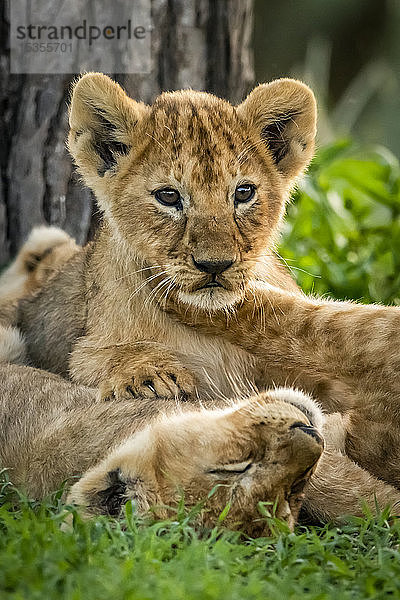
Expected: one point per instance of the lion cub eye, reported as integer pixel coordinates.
(169, 197)
(244, 193)
(231, 468)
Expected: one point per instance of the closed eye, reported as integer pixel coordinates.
(231, 468)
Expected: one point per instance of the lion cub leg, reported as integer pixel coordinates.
(373, 437)
(341, 487)
(137, 370)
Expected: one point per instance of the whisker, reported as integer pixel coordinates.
(157, 289)
(164, 296)
(144, 283)
(291, 267)
(141, 270)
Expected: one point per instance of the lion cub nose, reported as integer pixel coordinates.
(214, 267)
(309, 430)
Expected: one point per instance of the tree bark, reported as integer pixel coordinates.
(203, 44)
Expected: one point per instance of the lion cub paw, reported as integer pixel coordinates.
(149, 381)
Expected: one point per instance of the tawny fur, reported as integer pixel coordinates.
(130, 314)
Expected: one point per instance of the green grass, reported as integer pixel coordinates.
(107, 559)
(343, 238)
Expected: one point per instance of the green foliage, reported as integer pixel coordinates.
(342, 234)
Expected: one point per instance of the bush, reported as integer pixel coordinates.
(342, 232)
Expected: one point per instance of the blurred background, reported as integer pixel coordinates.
(342, 234)
(348, 51)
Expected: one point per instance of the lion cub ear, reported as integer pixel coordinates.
(102, 122)
(103, 491)
(284, 115)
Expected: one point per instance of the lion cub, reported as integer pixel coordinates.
(337, 487)
(193, 191)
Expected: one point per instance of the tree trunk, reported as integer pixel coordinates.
(203, 44)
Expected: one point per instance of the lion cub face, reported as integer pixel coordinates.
(263, 450)
(193, 187)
